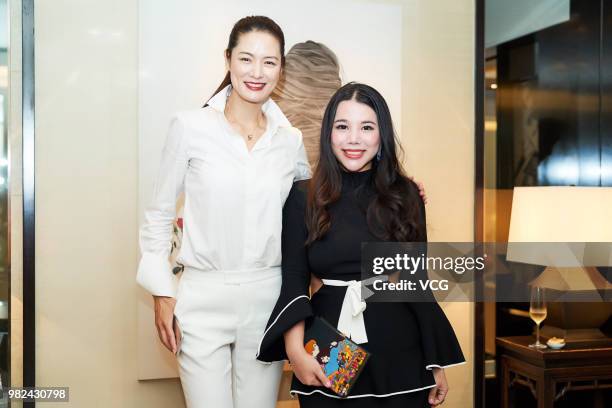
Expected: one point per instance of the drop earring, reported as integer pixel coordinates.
(379, 154)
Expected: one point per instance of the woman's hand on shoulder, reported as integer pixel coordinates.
(421, 189)
(164, 321)
(307, 370)
(438, 394)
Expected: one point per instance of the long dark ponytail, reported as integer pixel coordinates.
(246, 25)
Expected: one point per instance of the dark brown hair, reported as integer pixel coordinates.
(246, 25)
(395, 212)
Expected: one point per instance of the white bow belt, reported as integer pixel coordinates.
(351, 322)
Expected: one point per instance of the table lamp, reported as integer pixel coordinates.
(579, 221)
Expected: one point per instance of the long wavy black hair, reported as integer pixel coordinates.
(395, 212)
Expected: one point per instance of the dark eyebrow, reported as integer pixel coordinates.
(340, 120)
(368, 122)
(251, 55)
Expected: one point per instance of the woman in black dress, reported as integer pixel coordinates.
(358, 193)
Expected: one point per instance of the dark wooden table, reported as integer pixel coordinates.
(550, 374)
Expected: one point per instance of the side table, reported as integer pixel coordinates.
(550, 374)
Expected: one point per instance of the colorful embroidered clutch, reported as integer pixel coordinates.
(342, 360)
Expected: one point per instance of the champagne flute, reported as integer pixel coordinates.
(537, 312)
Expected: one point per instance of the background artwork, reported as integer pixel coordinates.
(312, 75)
(181, 63)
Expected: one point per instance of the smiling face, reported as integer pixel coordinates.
(255, 66)
(355, 136)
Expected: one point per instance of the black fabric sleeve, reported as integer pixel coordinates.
(439, 342)
(293, 304)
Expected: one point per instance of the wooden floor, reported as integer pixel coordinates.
(285, 400)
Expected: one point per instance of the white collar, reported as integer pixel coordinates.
(270, 108)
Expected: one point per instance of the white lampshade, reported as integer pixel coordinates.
(578, 219)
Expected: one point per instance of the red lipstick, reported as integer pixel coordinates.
(255, 86)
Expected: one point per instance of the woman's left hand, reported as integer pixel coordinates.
(437, 394)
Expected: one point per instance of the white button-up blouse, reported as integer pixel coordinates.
(234, 198)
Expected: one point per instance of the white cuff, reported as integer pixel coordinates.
(155, 275)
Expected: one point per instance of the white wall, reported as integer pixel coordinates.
(87, 184)
(86, 204)
(4, 32)
(438, 137)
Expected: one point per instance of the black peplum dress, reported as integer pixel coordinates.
(406, 340)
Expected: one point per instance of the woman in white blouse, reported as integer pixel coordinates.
(235, 161)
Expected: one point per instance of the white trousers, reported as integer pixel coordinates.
(222, 315)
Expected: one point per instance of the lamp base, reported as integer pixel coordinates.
(576, 337)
